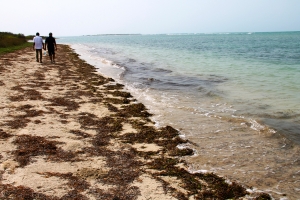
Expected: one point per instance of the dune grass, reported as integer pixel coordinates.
(10, 42)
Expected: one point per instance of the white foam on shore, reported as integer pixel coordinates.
(104, 66)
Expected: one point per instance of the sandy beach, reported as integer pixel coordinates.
(67, 132)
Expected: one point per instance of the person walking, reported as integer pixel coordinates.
(50, 43)
(38, 45)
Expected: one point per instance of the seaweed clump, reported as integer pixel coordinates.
(20, 121)
(4, 135)
(134, 110)
(33, 94)
(17, 122)
(20, 192)
(30, 94)
(80, 133)
(121, 94)
(166, 137)
(145, 135)
(59, 101)
(114, 87)
(216, 187)
(124, 168)
(76, 183)
(263, 196)
(112, 108)
(30, 146)
(119, 193)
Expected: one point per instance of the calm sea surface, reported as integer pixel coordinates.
(236, 95)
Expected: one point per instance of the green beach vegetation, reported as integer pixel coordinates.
(10, 42)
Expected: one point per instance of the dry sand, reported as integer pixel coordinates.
(69, 133)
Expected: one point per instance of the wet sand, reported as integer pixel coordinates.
(249, 153)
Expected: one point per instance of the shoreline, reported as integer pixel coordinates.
(67, 132)
(235, 147)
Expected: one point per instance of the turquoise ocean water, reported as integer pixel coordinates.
(236, 95)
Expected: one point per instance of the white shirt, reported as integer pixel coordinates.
(38, 42)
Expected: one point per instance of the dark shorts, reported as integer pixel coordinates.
(51, 51)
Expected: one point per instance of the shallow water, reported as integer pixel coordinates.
(234, 95)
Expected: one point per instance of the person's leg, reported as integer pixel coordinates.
(37, 55)
(41, 56)
(50, 56)
(54, 57)
(50, 51)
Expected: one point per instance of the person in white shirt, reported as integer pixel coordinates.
(38, 45)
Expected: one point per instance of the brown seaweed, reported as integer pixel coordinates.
(31, 146)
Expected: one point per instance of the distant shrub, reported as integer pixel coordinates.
(9, 39)
(30, 37)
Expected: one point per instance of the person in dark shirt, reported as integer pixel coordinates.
(50, 43)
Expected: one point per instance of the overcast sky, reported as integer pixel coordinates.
(88, 17)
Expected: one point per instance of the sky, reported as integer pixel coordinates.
(91, 17)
